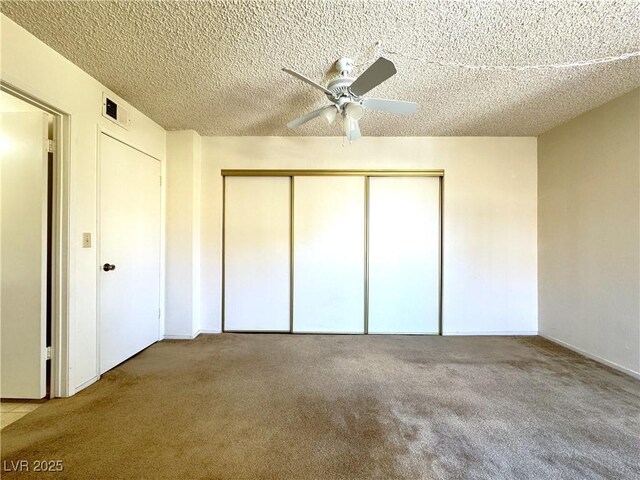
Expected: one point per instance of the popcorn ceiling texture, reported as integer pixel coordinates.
(214, 66)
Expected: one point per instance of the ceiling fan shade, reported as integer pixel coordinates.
(379, 71)
(329, 114)
(354, 110)
(390, 106)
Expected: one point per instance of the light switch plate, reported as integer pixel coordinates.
(86, 240)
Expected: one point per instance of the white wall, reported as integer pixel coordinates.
(9, 103)
(490, 216)
(33, 67)
(182, 318)
(589, 233)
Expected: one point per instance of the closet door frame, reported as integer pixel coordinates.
(360, 173)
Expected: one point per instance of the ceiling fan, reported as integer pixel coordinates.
(346, 94)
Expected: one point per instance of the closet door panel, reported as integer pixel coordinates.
(257, 254)
(328, 233)
(404, 249)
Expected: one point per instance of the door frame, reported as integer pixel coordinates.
(161, 234)
(359, 173)
(59, 384)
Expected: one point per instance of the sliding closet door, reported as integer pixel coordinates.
(404, 246)
(257, 254)
(328, 293)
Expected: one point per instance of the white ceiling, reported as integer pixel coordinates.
(215, 66)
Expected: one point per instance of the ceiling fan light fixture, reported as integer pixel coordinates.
(329, 114)
(354, 111)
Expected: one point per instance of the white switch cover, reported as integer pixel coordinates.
(86, 240)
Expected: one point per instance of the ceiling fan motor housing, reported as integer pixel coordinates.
(340, 88)
(344, 66)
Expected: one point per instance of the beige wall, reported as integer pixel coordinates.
(33, 67)
(183, 183)
(588, 233)
(490, 253)
(9, 103)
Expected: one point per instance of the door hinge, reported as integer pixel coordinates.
(48, 353)
(51, 146)
(160, 180)
(159, 312)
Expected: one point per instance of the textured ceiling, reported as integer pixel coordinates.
(215, 66)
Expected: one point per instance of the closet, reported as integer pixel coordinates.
(332, 252)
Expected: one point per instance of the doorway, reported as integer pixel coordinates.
(27, 249)
(40, 336)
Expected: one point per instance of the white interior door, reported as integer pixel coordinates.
(404, 254)
(23, 208)
(129, 240)
(257, 254)
(328, 293)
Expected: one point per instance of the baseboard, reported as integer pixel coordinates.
(499, 333)
(189, 337)
(86, 384)
(598, 359)
(179, 337)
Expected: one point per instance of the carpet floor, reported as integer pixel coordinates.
(274, 406)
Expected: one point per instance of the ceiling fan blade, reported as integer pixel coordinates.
(354, 133)
(390, 106)
(299, 76)
(378, 72)
(309, 116)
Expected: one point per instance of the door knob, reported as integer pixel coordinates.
(106, 267)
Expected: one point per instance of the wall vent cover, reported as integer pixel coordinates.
(114, 112)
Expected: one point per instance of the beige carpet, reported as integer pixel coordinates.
(352, 407)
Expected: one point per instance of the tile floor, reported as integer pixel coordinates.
(10, 411)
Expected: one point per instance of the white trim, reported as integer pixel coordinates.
(309, 332)
(498, 333)
(87, 383)
(596, 358)
(179, 337)
(421, 334)
(191, 337)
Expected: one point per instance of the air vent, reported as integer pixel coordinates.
(114, 112)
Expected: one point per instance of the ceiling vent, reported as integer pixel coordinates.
(114, 112)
